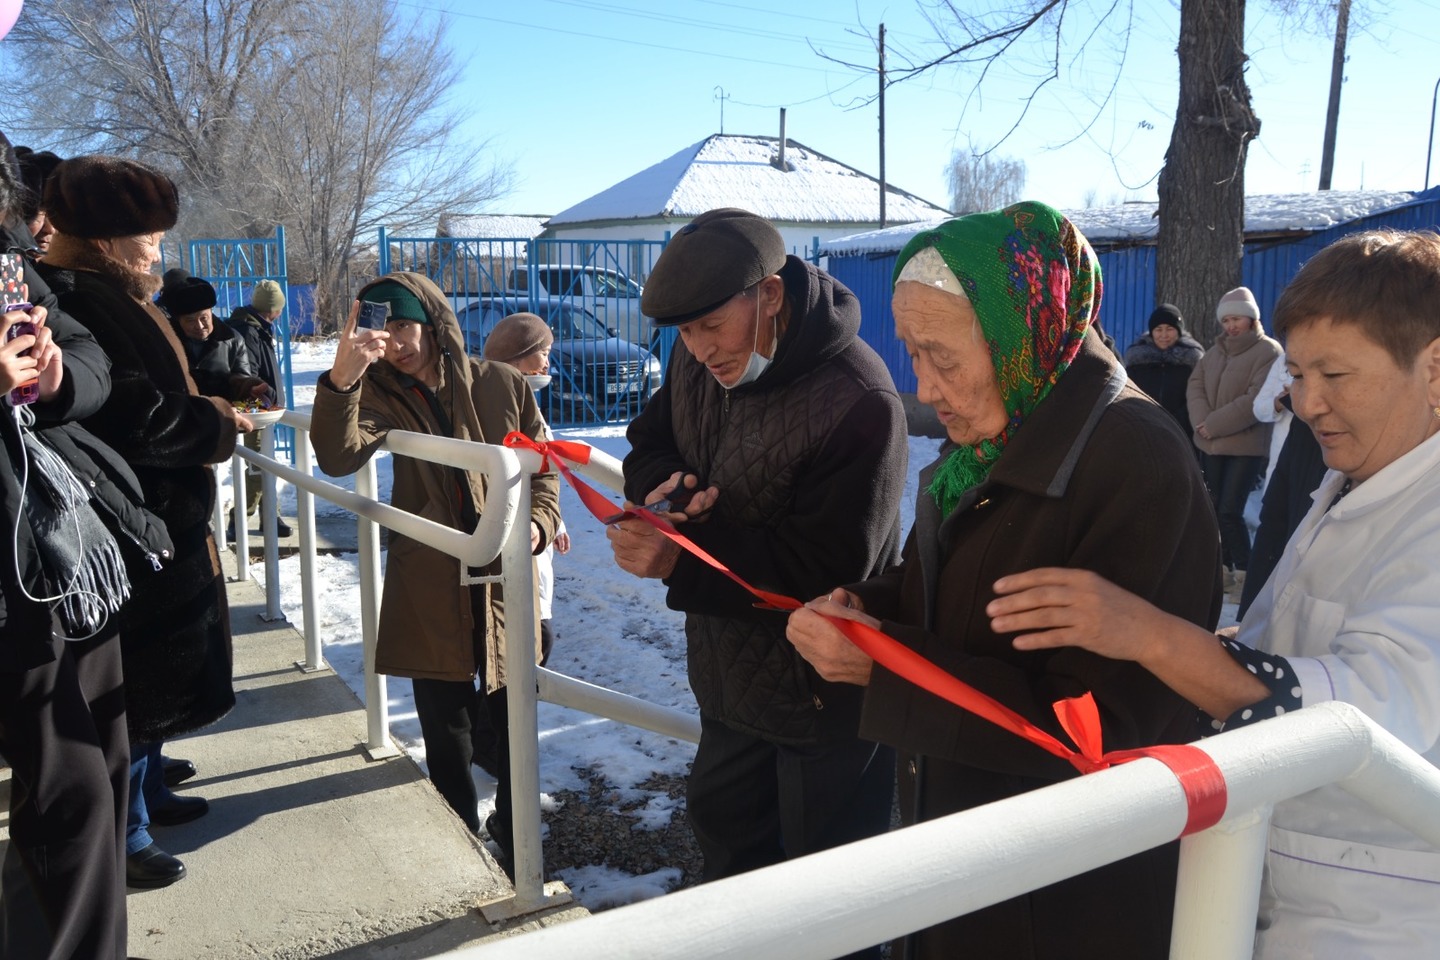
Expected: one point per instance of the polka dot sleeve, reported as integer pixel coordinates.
(1276, 674)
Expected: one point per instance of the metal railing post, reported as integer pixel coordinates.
(377, 708)
(305, 520)
(1217, 889)
(237, 510)
(268, 524)
(518, 580)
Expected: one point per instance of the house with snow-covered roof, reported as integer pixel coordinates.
(807, 195)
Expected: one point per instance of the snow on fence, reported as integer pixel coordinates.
(838, 901)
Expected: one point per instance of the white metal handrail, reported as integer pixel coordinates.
(507, 475)
(838, 901)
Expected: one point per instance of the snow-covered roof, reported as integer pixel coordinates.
(509, 226)
(1266, 213)
(728, 170)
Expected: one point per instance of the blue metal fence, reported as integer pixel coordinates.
(1129, 276)
(233, 267)
(607, 359)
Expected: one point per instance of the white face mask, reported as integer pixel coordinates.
(758, 363)
(537, 381)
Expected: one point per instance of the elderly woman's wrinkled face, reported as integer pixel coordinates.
(1366, 411)
(197, 326)
(1164, 335)
(952, 361)
(139, 253)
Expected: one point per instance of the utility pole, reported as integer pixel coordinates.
(882, 124)
(1337, 75)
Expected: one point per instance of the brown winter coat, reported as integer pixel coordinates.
(1098, 477)
(1222, 390)
(427, 627)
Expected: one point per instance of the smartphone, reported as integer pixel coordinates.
(26, 392)
(372, 315)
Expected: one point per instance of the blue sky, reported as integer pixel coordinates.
(579, 94)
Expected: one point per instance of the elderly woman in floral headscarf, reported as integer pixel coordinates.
(1053, 459)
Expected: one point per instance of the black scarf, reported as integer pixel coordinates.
(81, 559)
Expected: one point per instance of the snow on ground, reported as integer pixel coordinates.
(611, 629)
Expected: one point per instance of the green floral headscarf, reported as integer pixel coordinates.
(1035, 285)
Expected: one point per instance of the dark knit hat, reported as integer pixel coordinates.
(518, 335)
(190, 295)
(1166, 313)
(35, 169)
(102, 197)
(708, 261)
(404, 305)
(174, 276)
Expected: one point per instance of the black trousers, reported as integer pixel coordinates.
(753, 803)
(451, 713)
(1231, 481)
(62, 730)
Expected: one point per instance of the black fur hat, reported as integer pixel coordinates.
(101, 197)
(190, 295)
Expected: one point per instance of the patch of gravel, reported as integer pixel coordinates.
(592, 827)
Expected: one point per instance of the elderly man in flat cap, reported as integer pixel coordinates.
(786, 430)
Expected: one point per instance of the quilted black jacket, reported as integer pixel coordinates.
(810, 461)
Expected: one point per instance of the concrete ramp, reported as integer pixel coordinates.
(309, 849)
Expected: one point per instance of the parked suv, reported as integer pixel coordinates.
(597, 376)
(606, 292)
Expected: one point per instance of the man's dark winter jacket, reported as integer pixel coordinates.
(1099, 478)
(259, 336)
(810, 462)
(220, 364)
(175, 631)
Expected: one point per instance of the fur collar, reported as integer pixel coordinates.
(69, 253)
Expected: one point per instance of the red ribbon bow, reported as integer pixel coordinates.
(1199, 777)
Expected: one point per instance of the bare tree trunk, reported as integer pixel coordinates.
(1202, 186)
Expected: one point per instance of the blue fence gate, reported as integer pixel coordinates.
(607, 360)
(233, 267)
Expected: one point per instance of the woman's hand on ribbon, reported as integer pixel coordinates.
(821, 643)
(1057, 607)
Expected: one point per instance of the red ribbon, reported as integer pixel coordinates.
(1199, 777)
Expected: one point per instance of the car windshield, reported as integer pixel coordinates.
(478, 319)
(573, 323)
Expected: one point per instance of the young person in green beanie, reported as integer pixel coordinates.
(414, 375)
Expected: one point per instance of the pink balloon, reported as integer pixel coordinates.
(9, 13)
